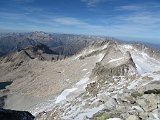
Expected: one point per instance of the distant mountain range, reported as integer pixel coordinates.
(62, 44)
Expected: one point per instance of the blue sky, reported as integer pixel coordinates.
(123, 18)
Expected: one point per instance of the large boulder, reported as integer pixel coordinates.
(148, 102)
(132, 117)
(155, 115)
(111, 103)
(152, 88)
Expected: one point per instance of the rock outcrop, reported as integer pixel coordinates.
(152, 88)
(15, 115)
(115, 63)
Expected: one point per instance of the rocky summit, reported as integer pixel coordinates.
(105, 80)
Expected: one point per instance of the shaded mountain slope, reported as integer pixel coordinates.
(12, 43)
(64, 44)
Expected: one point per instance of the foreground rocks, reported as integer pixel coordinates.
(129, 105)
(15, 115)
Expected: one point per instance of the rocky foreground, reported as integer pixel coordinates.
(108, 80)
(15, 115)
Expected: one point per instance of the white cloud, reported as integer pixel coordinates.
(138, 7)
(130, 8)
(71, 21)
(135, 24)
(92, 3)
(68, 21)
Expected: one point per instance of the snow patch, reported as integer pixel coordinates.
(84, 64)
(145, 63)
(67, 80)
(91, 50)
(100, 57)
(64, 94)
(128, 47)
(84, 70)
(88, 73)
(105, 46)
(82, 81)
(156, 115)
(133, 84)
(137, 108)
(89, 112)
(113, 60)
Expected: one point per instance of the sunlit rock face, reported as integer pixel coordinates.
(115, 63)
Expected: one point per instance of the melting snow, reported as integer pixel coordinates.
(128, 47)
(64, 94)
(133, 84)
(155, 115)
(84, 70)
(89, 112)
(89, 51)
(138, 108)
(87, 73)
(67, 80)
(82, 81)
(145, 64)
(113, 60)
(84, 64)
(100, 57)
(105, 46)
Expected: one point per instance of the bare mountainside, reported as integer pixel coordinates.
(107, 79)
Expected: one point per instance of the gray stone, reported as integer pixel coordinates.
(110, 103)
(115, 63)
(148, 102)
(132, 117)
(152, 87)
(155, 115)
